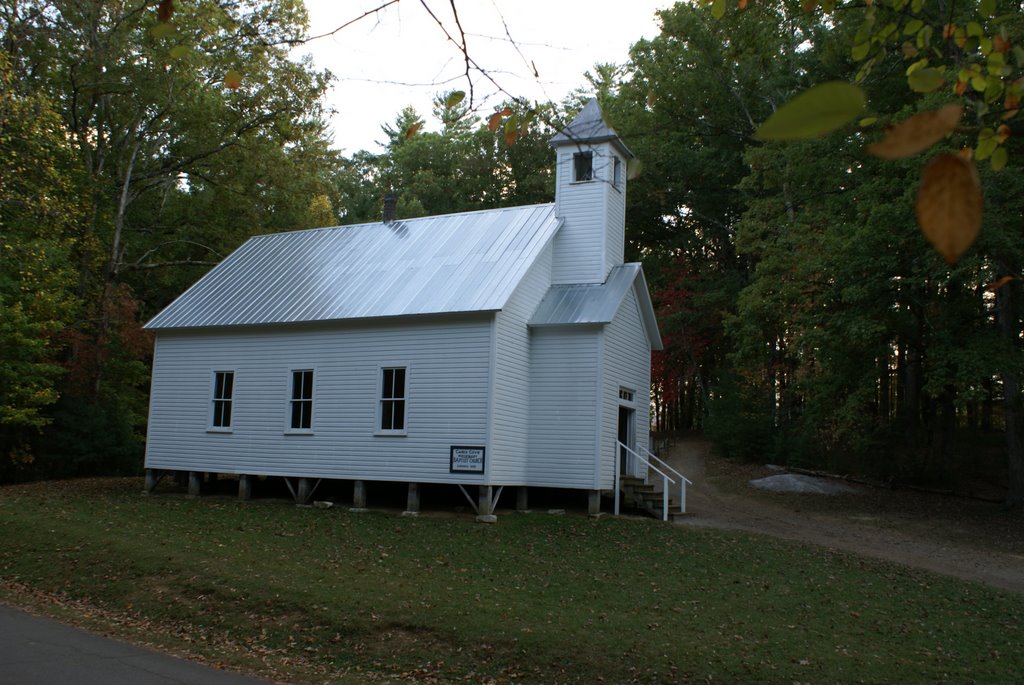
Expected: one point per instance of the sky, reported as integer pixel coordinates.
(399, 56)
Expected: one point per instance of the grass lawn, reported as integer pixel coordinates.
(311, 595)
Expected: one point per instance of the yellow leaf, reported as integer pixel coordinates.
(454, 98)
(814, 112)
(634, 168)
(162, 29)
(718, 9)
(917, 133)
(999, 159)
(949, 205)
(925, 80)
(232, 79)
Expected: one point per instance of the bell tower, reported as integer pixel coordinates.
(590, 199)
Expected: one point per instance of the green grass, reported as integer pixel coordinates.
(325, 595)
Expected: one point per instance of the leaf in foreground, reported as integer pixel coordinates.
(917, 133)
(814, 112)
(949, 205)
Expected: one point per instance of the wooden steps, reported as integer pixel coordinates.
(643, 496)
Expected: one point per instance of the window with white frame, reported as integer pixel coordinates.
(392, 399)
(583, 166)
(300, 404)
(617, 173)
(222, 397)
(625, 394)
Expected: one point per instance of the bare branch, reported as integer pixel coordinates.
(141, 262)
(348, 23)
(160, 265)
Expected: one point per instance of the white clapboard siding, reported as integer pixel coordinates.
(511, 395)
(615, 218)
(579, 245)
(564, 386)
(447, 386)
(626, 357)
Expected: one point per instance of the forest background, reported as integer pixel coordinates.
(806, 320)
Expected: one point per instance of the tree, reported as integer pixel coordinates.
(688, 107)
(466, 165)
(186, 138)
(38, 212)
(936, 341)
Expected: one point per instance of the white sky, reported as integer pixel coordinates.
(400, 56)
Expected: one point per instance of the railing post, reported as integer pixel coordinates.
(664, 498)
(616, 461)
(682, 495)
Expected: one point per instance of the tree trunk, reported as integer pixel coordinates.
(883, 389)
(911, 400)
(1009, 328)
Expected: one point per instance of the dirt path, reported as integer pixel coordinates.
(952, 536)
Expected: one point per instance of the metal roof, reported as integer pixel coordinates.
(590, 303)
(589, 127)
(443, 264)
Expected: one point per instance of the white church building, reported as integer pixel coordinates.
(496, 348)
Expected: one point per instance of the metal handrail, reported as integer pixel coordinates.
(683, 482)
(665, 479)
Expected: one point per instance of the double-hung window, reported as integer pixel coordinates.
(583, 166)
(300, 404)
(392, 399)
(223, 395)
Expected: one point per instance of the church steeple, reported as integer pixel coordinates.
(590, 198)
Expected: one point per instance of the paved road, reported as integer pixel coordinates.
(39, 651)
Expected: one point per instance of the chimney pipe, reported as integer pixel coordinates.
(390, 203)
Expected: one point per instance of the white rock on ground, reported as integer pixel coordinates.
(795, 482)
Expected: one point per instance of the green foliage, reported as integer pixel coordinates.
(144, 152)
(37, 212)
(818, 110)
(741, 424)
(467, 165)
(794, 289)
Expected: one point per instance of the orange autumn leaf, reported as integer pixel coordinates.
(992, 287)
(164, 11)
(232, 79)
(916, 133)
(949, 205)
(413, 130)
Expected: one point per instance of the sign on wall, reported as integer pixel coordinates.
(467, 459)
